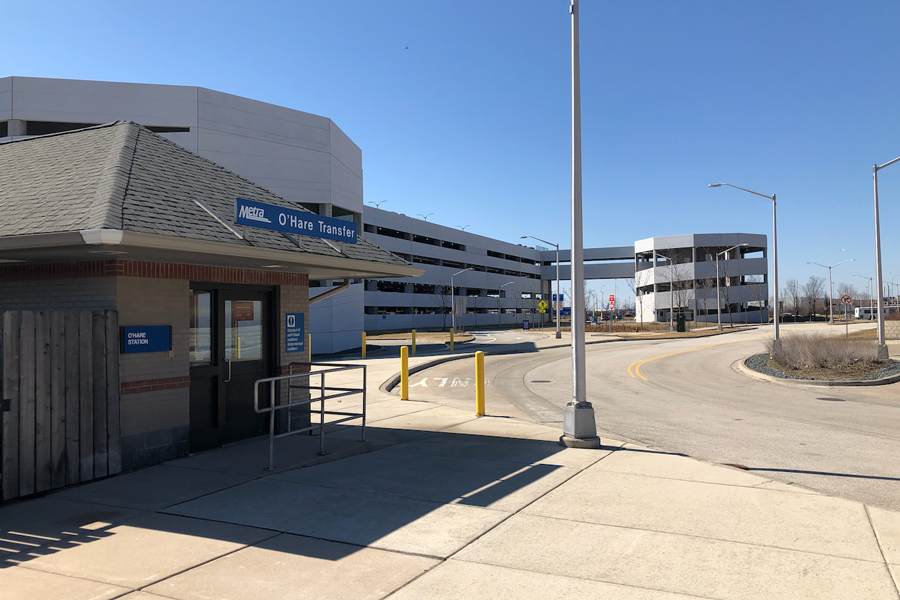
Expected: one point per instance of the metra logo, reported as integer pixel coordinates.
(253, 213)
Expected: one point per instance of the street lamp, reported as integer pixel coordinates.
(425, 217)
(882, 347)
(498, 300)
(579, 427)
(718, 295)
(869, 288)
(558, 299)
(830, 286)
(774, 247)
(462, 227)
(453, 298)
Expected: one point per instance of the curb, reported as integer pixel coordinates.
(740, 366)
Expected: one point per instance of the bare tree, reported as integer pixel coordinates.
(638, 296)
(442, 299)
(813, 288)
(793, 291)
(759, 294)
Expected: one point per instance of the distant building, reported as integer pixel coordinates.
(679, 272)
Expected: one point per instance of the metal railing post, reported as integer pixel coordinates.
(322, 416)
(362, 435)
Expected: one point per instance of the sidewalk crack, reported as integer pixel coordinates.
(887, 565)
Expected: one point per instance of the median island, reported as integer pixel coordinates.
(816, 357)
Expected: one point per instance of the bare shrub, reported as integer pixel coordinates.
(813, 351)
(892, 316)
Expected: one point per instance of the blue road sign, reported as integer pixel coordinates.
(154, 338)
(562, 297)
(294, 339)
(289, 220)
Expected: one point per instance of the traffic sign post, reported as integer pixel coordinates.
(846, 300)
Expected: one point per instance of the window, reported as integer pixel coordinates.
(425, 260)
(453, 246)
(400, 235)
(495, 254)
(423, 239)
(4, 129)
(453, 264)
(391, 286)
(200, 349)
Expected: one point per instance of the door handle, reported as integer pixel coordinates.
(228, 360)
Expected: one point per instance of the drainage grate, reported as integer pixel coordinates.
(831, 399)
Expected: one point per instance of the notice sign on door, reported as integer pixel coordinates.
(135, 339)
(294, 338)
(242, 311)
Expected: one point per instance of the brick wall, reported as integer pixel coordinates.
(64, 293)
(155, 398)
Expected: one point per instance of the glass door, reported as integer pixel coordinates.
(247, 335)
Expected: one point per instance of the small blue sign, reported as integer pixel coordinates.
(562, 297)
(155, 338)
(289, 220)
(525, 325)
(294, 339)
(565, 311)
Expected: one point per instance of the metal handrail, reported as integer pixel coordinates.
(290, 377)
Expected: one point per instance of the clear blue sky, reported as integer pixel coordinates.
(471, 122)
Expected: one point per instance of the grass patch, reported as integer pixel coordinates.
(821, 357)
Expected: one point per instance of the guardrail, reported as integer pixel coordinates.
(308, 375)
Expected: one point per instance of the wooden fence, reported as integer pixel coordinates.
(60, 389)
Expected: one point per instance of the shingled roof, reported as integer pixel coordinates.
(121, 176)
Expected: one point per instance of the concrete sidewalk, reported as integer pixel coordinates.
(446, 505)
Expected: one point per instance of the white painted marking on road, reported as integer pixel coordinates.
(457, 382)
(422, 383)
(443, 380)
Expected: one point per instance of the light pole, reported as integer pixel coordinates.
(579, 427)
(869, 288)
(558, 299)
(830, 286)
(425, 217)
(774, 248)
(718, 295)
(882, 347)
(453, 298)
(498, 300)
(462, 227)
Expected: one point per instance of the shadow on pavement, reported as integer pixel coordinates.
(427, 494)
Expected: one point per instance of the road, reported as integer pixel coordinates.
(683, 396)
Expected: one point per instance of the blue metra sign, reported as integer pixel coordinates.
(153, 338)
(289, 220)
(294, 340)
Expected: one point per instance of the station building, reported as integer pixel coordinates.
(137, 314)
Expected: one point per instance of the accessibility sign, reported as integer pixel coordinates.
(289, 220)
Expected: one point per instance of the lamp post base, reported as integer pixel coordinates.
(579, 427)
(883, 352)
(558, 335)
(776, 345)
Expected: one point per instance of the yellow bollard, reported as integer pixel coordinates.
(413, 342)
(364, 345)
(479, 383)
(404, 373)
(309, 345)
(451, 339)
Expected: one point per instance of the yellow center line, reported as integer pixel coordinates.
(634, 369)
